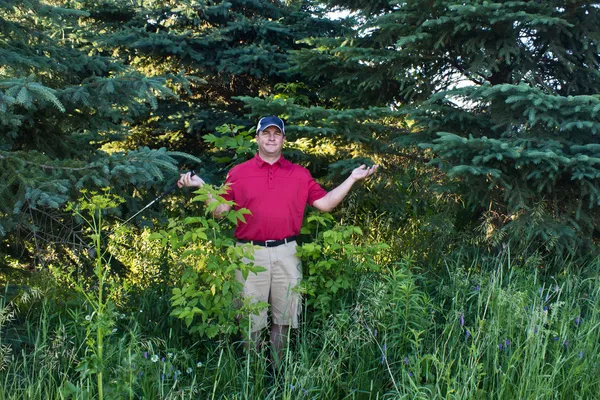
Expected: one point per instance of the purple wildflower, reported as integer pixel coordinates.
(375, 333)
(500, 347)
(577, 320)
(477, 288)
(383, 353)
(556, 338)
(410, 374)
(467, 333)
(462, 320)
(535, 330)
(507, 342)
(145, 354)
(581, 354)
(545, 308)
(567, 343)
(305, 392)
(406, 360)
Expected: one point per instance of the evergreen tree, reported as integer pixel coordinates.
(61, 104)
(87, 88)
(230, 48)
(503, 93)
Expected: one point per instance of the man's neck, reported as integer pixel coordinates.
(269, 159)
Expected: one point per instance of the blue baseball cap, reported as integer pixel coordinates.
(266, 122)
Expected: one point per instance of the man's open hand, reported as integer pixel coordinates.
(363, 172)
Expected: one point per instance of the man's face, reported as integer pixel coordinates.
(270, 141)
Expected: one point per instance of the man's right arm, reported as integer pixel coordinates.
(192, 180)
(335, 197)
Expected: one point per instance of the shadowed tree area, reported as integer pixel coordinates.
(503, 96)
(94, 93)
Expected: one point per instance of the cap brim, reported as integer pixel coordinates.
(275, 125)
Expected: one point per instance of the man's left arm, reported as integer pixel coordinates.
(335, 197)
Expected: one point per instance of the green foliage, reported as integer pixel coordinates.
(61, 103)
(515, 141)
(236, 143)
(482, 328)
(231, 48)
(397, 306)
(537, 153)
(100, 322)
(38, 187)
(502, 93)
(85, 84)
(511, 333)
(208, 296)
(334, 262)
(331, 142)
(388, 320)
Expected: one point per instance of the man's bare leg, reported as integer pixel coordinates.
(253, 341)
(279, 338)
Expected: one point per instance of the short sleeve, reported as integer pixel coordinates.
(315, 191)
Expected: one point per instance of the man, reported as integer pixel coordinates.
(276, 193)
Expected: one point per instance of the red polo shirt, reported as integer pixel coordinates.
(275, 194)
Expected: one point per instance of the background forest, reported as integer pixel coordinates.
(467, 267)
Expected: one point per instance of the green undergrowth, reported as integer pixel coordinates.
(481, 328)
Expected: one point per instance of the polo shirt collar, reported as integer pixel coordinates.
(281, 161)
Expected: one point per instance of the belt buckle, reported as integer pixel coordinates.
(267, 242)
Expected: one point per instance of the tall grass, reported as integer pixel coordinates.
(483, 328)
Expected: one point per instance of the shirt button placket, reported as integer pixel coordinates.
(271, 186)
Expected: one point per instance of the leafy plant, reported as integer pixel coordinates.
(334, 260)
(234, 144)
(100, 322)
(208, 297)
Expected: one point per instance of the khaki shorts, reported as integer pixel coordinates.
(275, 285)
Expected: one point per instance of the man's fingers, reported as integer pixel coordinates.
(189, 179)
(369, 170)
(184, 180)
(364, 172)
(197, 180)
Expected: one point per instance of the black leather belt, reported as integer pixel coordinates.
(269, 243)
